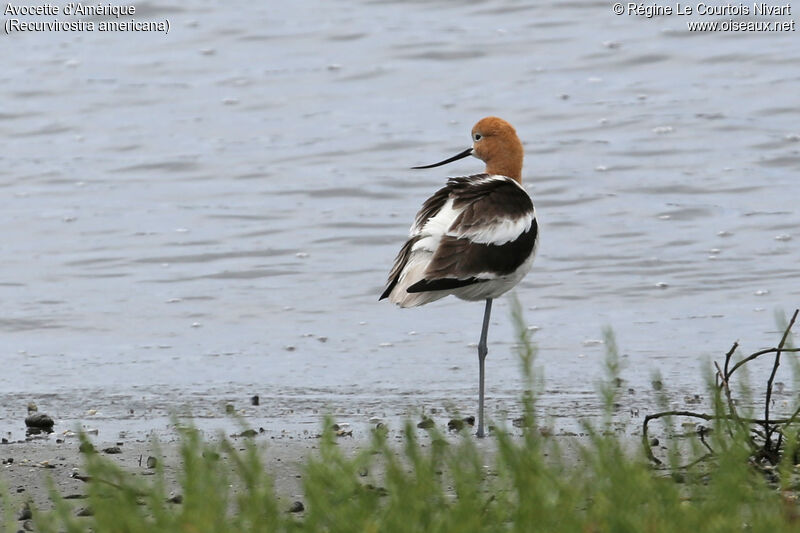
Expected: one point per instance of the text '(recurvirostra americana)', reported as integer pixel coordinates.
(118, 16)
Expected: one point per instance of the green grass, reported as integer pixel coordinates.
(525, 483)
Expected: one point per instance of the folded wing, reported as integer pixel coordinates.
(474, 230)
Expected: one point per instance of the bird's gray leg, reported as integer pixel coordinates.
(482, 351)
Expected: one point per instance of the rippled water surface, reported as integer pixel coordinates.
(190, 219)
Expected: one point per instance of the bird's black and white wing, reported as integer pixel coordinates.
(475, 238)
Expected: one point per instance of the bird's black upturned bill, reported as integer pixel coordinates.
(462, 155)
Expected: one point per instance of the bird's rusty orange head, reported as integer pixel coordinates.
(495, 142)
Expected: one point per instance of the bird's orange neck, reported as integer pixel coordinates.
(506, 167)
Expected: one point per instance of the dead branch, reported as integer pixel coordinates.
(767, 428)
(749, 426)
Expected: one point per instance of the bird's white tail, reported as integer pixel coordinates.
(413, 272)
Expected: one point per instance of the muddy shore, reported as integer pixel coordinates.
(28, 464)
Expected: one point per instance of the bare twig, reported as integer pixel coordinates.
(723, 382)
(750, 426)
(697, 461)
(702, 431)
(648, 450)
(767, 429)
(645, 425)
(723, 378)
(728, 357)
(758, 354)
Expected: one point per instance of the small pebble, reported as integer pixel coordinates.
(380, 491)
(113, 450)
(297, 507)
(519, 422)
(25, 513)
(86, 447)
(255, 400)
(695, 399)
(151, 462)
(39, 420)
(426, 423)
(455, 424)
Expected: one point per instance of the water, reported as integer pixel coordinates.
(190, 219)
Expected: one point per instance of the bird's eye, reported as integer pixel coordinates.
(477, 136)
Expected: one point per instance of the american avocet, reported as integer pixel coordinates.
(475, 238)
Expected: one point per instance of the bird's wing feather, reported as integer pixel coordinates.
(476, 227)
(430, 209)
(492, 236)
(399, 264)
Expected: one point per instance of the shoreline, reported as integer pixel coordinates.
(28, 464)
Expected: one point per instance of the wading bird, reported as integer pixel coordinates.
(475, 238)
